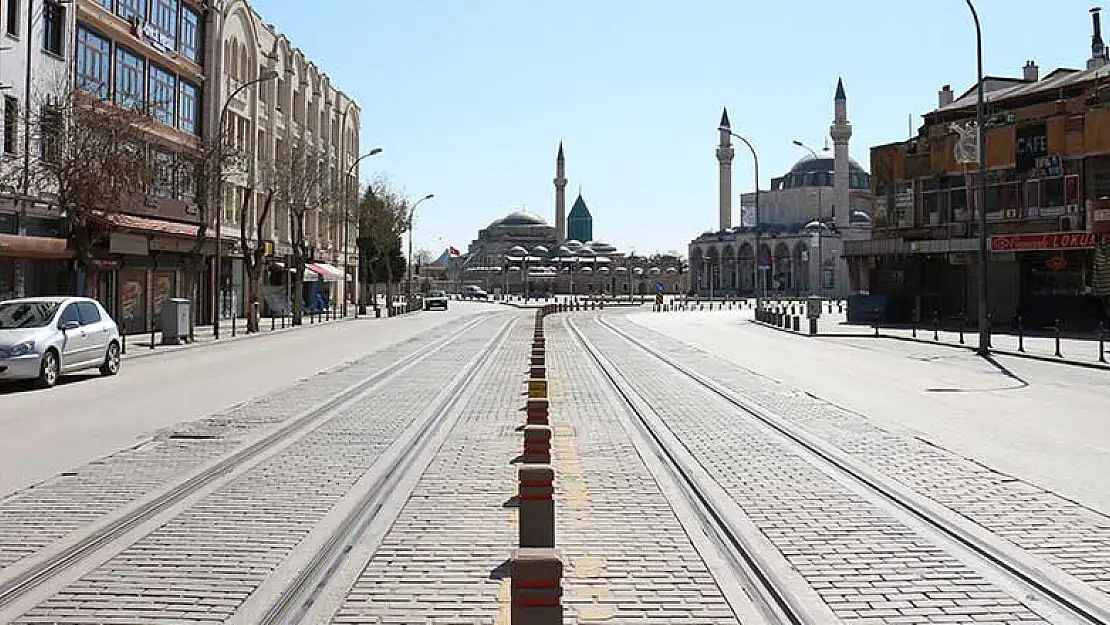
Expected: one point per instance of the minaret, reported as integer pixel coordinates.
(841, 132)
(724, 171)
(1098, 47)
(560, 197)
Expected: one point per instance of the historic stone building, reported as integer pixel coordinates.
(803, 220)
(1047, 204)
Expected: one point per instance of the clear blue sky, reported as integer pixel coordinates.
(470, 98)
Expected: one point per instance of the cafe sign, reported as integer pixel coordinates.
(1047, 241)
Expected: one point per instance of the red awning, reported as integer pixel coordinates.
(326, 272)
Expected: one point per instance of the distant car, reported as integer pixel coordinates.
(43, 338)
(474, 292)
(435, 299)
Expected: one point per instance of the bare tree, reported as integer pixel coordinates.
(303, 186)
(254, 252)
(382, 216)
(91, 159)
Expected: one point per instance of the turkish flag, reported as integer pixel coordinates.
(452, 251)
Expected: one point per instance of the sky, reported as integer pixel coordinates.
(469, 99)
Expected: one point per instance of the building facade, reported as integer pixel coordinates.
(802, 222)
(36, 52)
(292, 107)
(1047, 187)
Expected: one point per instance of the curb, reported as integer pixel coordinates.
(138, 353)
(909, 339)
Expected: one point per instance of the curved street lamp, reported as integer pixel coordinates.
(217, 282)
(408, 272)
(346, 230)
(755, 160)
(981, 189)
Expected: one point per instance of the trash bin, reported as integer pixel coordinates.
(176, 314)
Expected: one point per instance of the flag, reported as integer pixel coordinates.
(453, 252)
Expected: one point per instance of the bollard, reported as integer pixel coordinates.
(1021, 335)
(1101, 341)
(936, 326)
(537, 372)
(913, 326)
(963, 326)
(877, 315)
(538, 357)
(537, 444)
(537, 410)
(123, 343)
(536, 526)
(536, 589)
(152, 336)
(1059, 354)
(273, 321)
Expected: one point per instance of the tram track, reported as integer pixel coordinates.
(1074, 601)
(23, 579)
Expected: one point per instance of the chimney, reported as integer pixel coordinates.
(945, 96)
(1031, 73)
(1098, 47)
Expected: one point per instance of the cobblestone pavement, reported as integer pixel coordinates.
(629, 558)
(442, 560)
(865, 564)
(201, 565)
(1065, 534)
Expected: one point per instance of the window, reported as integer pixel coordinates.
(186, 180)
(107, 4)
(70, 313)
(128, 9)
(164, 16)
(1003, 196)
(188, 40)
(90, 313)
(11, 123)
(187, 99)
(163, 94)
(12, 18)
(50, 135)
(130, 75)
(53, 27)
(163, 174)
(94, 63)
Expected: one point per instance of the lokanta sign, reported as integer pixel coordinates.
(1047, 241)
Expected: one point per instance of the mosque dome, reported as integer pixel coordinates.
(519, 219)
(540, 250)
(818, 172)
(573, 244)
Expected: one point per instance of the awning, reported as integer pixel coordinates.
(326, 272)
(44, 248)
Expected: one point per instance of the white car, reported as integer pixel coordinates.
(42, 338)
(435, 299)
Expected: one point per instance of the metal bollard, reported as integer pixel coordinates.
(537, 372)
(913, 328)
(936, 326)
(537, 444)
(1021, 335)
(877, 323)
(537, 387)
(272, 321)
(536, 589)
(1101, 341)
(537, 411)
(1059, 354)
(963, 326)
(536, 527)
(990, 328)
(152, 337)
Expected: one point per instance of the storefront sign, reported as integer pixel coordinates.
(1047, 241)
(1031, 143)
(1057, 263)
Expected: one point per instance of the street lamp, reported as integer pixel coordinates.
(217, 282)
(820, 209)
(755, 160)
(408, 273)
(981, 189)
(346, 229)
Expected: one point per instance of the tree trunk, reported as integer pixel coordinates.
(297, 294)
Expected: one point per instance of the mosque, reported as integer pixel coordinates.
(522, 254)
(799, 228)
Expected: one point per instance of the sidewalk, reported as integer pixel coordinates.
(1073, 351)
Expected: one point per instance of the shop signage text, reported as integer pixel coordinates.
(1047, 241)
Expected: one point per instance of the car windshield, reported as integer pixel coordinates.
(26, 314)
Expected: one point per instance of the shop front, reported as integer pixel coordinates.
(34, 266)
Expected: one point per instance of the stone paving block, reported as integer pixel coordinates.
(1068, 535)
(824, 529)
(628, 557)
(218, 551)
(35, 517)
(443, 560)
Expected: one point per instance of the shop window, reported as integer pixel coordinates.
(9, 223)
(1032, 197)
(1003, 197)
(937, 203)
(1052, 192)
(958, 200)
(43, 227)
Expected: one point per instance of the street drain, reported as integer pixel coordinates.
(189, 436)
(945, 390)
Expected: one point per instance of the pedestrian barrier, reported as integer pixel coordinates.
(537, 506)
(536, 588)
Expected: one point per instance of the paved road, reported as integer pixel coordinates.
(45, 432)
(1043, 422)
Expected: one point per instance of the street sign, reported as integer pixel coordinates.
(659, 287)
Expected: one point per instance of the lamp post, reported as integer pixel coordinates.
(981, 188)
(631, 256)
(347, 225)
(217, 282)
(408, 272)
(820, 233)
(755, 160)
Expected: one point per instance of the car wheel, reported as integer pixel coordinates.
(111, 360)
(48, 371)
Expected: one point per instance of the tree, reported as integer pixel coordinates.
(302, 185)
(254, 252)
(91, 161)
(382, 217)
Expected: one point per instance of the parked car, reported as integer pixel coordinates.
(435, 299)
(474, 292)
(43, 338)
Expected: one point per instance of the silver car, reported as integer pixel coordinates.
(42, 338)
